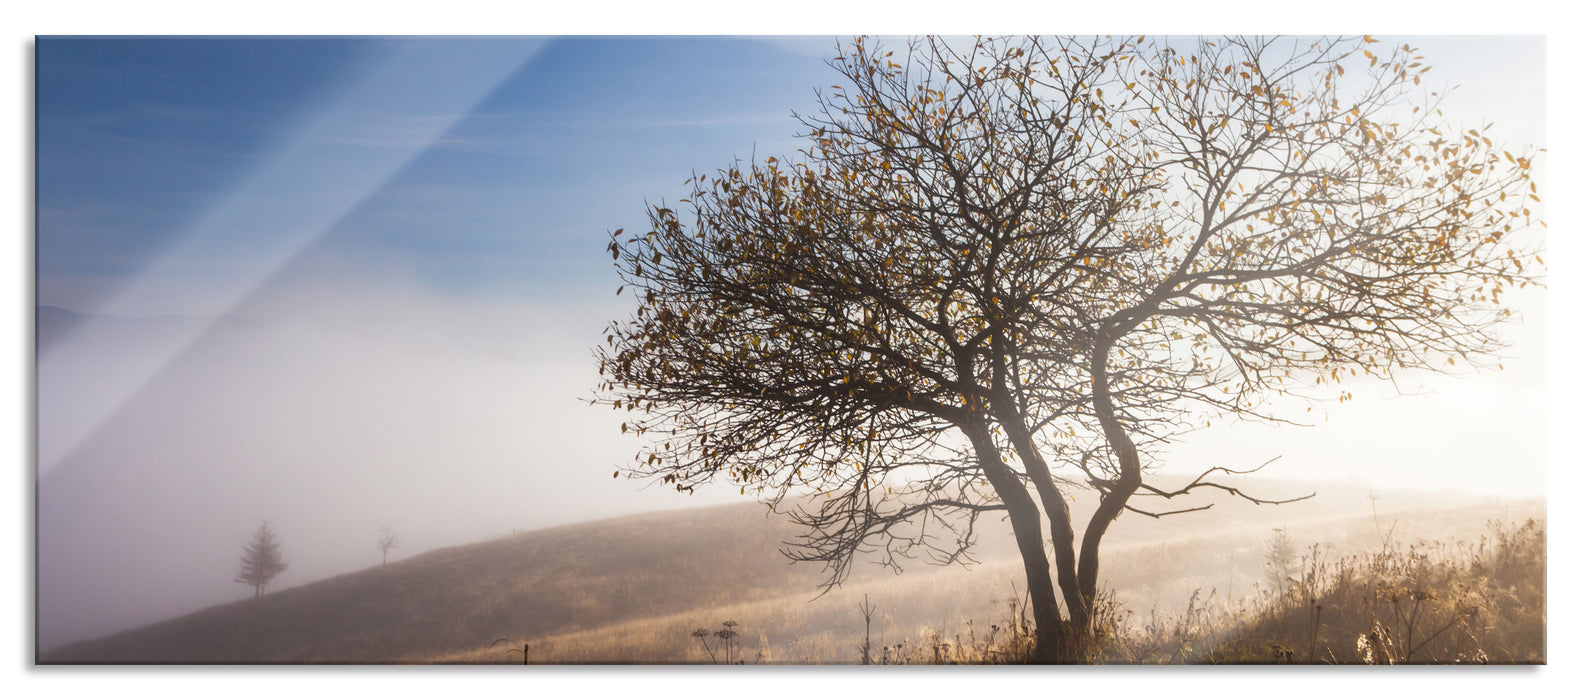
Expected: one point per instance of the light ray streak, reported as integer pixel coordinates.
(318, 176)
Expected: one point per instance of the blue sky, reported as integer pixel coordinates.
(506, 190)
(177, 175)
(136, 135)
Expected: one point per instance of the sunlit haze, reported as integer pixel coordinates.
(343, 284)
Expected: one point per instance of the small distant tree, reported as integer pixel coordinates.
(387, 542)
(1279, 560)
(261, 560)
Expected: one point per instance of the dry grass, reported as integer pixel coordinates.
(1450, 601)
(531, 585)
(952, 616)
(633, 590)
(1442, 602)
(786, 629)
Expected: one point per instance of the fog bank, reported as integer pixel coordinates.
(328, 412)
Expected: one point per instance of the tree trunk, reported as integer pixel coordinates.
(1050, 496)
(1049, 629)
(1119, 491)
(1063, 538)
(1055, 509)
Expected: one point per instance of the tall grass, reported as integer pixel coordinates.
(1441, 602)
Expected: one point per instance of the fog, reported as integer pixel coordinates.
(329, 412)
(332, 410)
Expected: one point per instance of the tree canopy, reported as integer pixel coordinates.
(1003, 271)
(261, 560)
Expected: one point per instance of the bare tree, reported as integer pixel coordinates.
(986, 283)
(261, 560)
(387, 542)
(867, 608)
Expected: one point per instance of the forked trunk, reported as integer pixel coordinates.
(1010, 417)
(1049, 630)
(1059, 515)
(1048, 627)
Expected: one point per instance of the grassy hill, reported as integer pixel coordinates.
(634, 589)
(557, 580)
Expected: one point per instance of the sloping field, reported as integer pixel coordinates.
(634, 589)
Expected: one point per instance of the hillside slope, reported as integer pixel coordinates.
(633, 589)
(557, 580)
